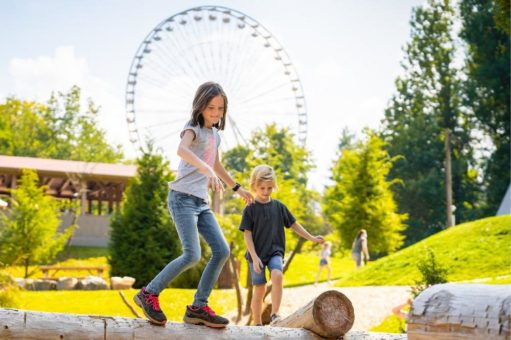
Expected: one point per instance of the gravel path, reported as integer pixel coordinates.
(372, 304)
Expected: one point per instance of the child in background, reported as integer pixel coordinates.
(324, 262)
(263, 225)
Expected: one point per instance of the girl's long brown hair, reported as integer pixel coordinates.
(203, 96)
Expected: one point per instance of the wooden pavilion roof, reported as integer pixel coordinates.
(64, 178)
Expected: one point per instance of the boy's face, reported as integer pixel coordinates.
(263, 190)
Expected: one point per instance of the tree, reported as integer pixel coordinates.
(29, 233)
(143, 236)
(57, 130)
(425, 124)
(487, 87)
(361, 197)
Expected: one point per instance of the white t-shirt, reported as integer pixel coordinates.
(205, 146)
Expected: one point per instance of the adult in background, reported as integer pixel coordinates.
(359, 251)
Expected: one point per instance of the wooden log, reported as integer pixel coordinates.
(461, 311)
(29, 325)
(331, 314)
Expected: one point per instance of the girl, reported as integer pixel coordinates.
(263, 225)
(324, 262)
(199, 169)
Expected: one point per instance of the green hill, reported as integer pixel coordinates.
(473, 250)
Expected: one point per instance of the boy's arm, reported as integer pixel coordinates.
(249, 242)
(297, 228)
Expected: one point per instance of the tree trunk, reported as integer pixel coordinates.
(28, 325)
(249, 294)
(331, 314)
(455, 311)
(448, 177)
(236, 283)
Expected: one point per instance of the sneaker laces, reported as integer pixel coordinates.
(209, 310)
(153, 300)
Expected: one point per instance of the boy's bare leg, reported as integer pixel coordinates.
(257, 303)
(329, 273)
(276, 290)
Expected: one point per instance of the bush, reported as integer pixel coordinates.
(8, 291)
(432, 273)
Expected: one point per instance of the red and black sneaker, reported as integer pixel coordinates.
(151, 307)
(204, 316)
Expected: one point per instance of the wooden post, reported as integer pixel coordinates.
(331, 314)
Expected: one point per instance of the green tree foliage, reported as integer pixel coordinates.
(361, 197)
(57, 130)
(427, 103)
(291, 162)
(143, 236)
(28, 234)
(487, 87)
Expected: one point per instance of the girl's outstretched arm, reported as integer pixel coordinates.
(224, 176)
(297, 228)
(188, 156)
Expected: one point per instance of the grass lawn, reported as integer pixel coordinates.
(304, 268)
(109, 302)
(478, 249)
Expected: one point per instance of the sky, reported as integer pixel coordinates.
(347, 54)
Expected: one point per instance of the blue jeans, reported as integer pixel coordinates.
(274, 263)
(192, 216)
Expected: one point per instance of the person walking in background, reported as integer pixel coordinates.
(324, 262)
(199, 169)
(359, 251)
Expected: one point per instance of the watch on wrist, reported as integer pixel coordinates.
(236, 187)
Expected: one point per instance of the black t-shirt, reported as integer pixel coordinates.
(267, 222)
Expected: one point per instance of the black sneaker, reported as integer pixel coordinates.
(275, 318)
(204, 316)
(151, 307)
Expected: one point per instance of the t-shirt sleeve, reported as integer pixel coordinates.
(188, 126)
(289, 219)
(247, 222)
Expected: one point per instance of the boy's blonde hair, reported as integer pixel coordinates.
(262, 173)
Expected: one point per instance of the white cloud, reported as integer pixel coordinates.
(36, 78)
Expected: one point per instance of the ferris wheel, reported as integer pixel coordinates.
(212, 43)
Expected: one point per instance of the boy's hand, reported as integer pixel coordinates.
(319, 239)
(258, 264)
(247, 196)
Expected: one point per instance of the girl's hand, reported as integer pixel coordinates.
(258, 264)
(213, 181)
(247, 196)
(319, 239)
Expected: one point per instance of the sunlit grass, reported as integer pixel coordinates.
(109, 302)
(474, 250)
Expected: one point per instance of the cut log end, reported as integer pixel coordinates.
(333, 312)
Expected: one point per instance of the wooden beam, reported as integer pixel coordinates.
(19, 324)
(456, 311)
(331, 314)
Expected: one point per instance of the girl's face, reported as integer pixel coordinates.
(263, 190)
(214, 111)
